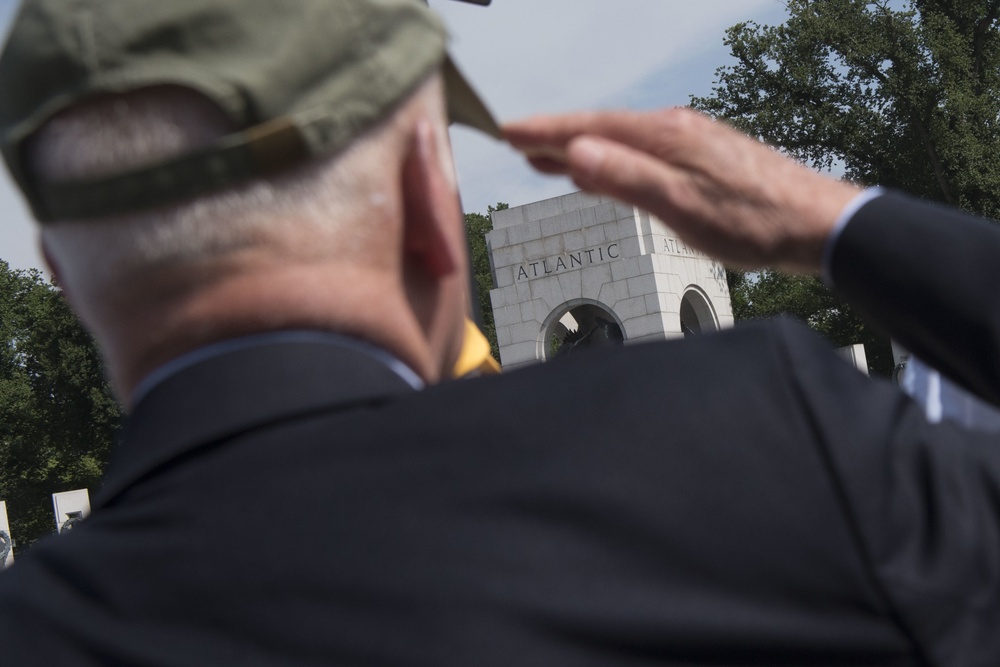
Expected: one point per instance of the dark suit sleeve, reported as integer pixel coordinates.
(924, 500)
(929, 276)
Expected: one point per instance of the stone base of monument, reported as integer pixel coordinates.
(70, 508)
(579, 271)
(6, 541)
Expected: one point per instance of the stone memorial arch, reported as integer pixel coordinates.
(578, 271)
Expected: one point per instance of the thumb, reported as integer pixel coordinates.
(606, 167)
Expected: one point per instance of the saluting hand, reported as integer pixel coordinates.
(722, 192)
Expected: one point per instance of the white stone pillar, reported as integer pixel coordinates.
(6, 541)
(70, 507)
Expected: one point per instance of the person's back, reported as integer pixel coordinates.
(544, 517)
(251, 206)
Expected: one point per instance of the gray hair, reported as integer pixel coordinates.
(320, 206)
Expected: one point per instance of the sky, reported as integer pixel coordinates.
(531, 56)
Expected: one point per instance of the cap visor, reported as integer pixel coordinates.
(464, 105)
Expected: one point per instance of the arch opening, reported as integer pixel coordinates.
(585, 326)
(697, 315)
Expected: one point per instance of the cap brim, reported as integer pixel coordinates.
(257, 151)
(464, 105)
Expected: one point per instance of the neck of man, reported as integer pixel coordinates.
(177, 312)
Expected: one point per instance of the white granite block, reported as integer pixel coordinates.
(511, 295)
(605, 212)
(547, 289)
(624, 211)
(546, 208)
(518, 354)
(496, 299)
(528, 311)
(518, 234)
(612, 293)
(517, 254)
(505, 277)
(571, 285)
(553, 245)
(618, 270)
(630, 247)
(510, 217)
(532, 231)
(611, 231)
(574, 241)
(659, 227)
(594, 235)
(576, 201)
(523, 291)
(508, 315)
(526, 332)
(503, 336)
(642, 285)
(670, 304)
(570, 221)
(594, 277)
(631, 308)
(644, 326)
(497, 238)
(633, 267)
(529, 231)
(661, 263)
(550, 226)
(588, 218)
(533, 250)
(503, 257)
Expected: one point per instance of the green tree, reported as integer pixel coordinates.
(770, 293)
(904, 94)
(905, 97)
(476, 226)
(58, 419)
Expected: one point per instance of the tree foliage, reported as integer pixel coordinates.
(58, 418)
(476, 226)
(903, 94)
(770, 293)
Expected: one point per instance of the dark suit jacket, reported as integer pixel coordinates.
(742, 498)
(929, 276)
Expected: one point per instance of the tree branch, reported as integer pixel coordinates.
(983, 27)
(932, 155)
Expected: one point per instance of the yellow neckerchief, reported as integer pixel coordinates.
(475, 358)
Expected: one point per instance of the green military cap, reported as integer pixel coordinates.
(302, 78)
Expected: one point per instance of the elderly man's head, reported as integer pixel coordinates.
(216, 168)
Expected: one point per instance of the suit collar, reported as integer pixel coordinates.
(238, 390)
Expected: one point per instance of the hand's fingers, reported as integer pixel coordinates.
(722, 192)
(539, 133)
(661, 133)
(548, 166)
(546, 152)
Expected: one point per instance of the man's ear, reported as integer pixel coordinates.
(52, 263)
(429, 206)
